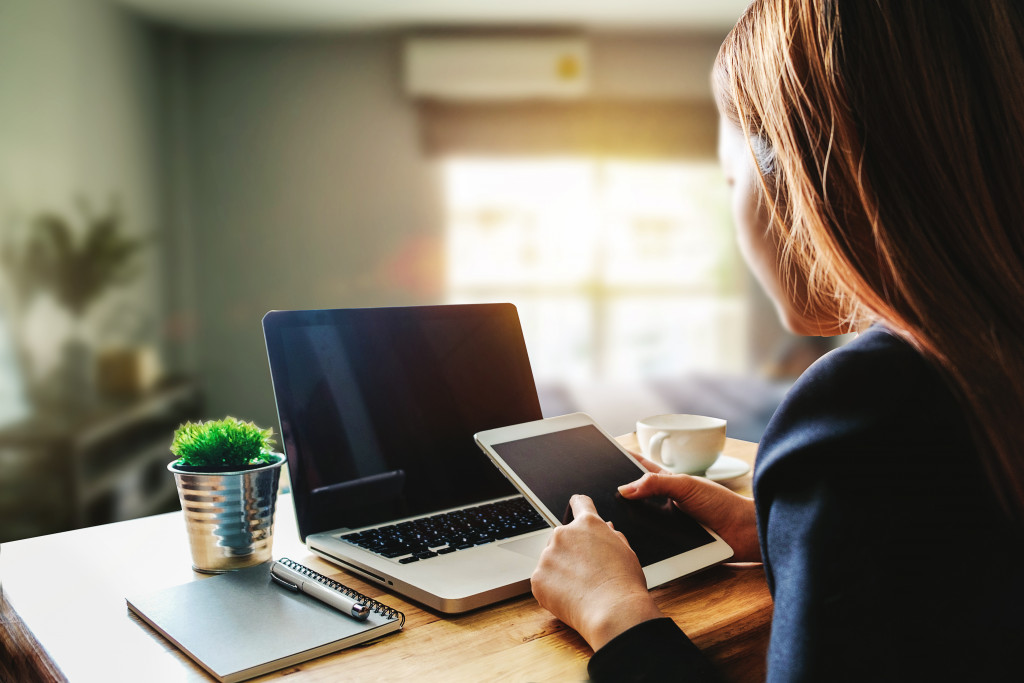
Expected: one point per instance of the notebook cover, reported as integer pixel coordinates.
(241, 624)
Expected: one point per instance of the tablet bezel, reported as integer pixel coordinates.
(656, 573)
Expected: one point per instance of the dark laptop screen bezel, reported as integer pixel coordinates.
(436, 373)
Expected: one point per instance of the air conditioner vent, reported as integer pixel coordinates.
(502, 68)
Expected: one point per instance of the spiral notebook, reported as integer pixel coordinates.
(242, 624)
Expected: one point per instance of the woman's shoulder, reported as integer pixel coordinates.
(875, 359)
(867, 467)
(871, 398)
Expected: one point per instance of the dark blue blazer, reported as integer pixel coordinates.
(884, 549)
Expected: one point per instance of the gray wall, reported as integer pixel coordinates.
(80, 117)
(308, 191)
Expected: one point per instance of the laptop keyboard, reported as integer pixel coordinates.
(421, 539)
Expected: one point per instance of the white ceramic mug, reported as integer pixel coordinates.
(681, 443)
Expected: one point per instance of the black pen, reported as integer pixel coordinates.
(296, 581)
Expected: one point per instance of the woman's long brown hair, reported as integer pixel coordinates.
(890, 137)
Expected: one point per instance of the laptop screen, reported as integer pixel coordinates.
(378, 407)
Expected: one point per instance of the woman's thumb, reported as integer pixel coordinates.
(657, 484)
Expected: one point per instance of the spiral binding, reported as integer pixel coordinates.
(375, 607)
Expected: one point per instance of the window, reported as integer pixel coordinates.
(620, 270)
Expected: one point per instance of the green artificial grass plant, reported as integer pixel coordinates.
(222, 444)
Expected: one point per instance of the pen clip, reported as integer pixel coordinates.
(287, 584)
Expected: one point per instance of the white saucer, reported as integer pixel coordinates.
(726, 468)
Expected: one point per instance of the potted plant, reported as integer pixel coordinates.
(227, 475)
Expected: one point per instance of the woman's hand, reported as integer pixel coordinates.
(589, 577)
(731, 515)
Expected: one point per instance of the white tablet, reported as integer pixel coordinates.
(550, 460)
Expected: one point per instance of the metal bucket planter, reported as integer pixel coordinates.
(229, 515)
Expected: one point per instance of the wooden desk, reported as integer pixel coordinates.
(66, 591)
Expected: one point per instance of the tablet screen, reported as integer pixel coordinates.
(583, 460)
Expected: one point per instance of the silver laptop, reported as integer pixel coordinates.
(378, 408)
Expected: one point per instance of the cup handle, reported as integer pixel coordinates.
(654, 447)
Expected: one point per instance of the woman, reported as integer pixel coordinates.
(874, 149)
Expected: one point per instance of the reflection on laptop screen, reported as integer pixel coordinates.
(378, 407)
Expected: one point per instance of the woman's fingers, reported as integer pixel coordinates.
(649, 465)
(589, 577)
(678, 487)
(582, 505)
(696, 495)
(731, 515)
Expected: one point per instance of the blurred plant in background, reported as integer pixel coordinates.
(76, 264)
(75, 269)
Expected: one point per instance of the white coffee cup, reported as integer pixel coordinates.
(681, 443)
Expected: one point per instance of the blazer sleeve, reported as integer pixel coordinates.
(827, 513)
(880, 542)
(655, 650)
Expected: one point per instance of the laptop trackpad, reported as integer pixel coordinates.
(531, 547)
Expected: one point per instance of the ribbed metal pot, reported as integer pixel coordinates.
(229, 515)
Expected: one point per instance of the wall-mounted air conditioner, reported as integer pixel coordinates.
(479, 68)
